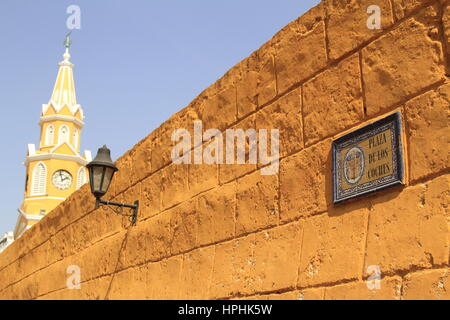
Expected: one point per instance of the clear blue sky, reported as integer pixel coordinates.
(136, 63)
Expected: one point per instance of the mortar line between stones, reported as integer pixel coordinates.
(124, 242)
(324, 295)
(366, 241)
(275, 72)
(302, 113)
(394, 15)
(407, 148)
(236, 111)
(442, 36)
(182, 266)
(402, 287)
(300, 254)
(235, 215)
(291, 289)
(429, 177)
(209, 293)
(188, 171)
(279, 195)
(326, 38)
(363, 86)
(218, 175)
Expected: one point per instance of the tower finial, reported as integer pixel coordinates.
(67, 41)
(67, 44)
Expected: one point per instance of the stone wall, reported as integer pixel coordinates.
(226, 231)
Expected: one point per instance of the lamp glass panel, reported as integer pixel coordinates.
(107, 179)
(91, 178)
(97, 178)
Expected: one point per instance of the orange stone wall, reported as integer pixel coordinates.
(226, 231)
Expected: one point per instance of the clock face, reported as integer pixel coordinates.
(62, 179)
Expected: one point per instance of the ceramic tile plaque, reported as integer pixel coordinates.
(368, 159)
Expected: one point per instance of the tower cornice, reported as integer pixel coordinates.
(47, 156)
(60, 117)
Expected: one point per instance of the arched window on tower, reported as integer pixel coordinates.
(64, 134)
(81, 177)
(75, 139)
(49, 135)
(39, 179)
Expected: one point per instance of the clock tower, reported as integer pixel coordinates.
(55, 168)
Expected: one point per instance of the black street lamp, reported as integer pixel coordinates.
(101, 172)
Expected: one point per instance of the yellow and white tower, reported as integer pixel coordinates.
(55, 169)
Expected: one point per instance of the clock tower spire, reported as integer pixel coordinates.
(55, 168)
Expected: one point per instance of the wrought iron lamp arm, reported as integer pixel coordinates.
(132, 216)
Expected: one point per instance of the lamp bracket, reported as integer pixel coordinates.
(111, 205)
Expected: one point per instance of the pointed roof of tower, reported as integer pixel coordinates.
(64, 90)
